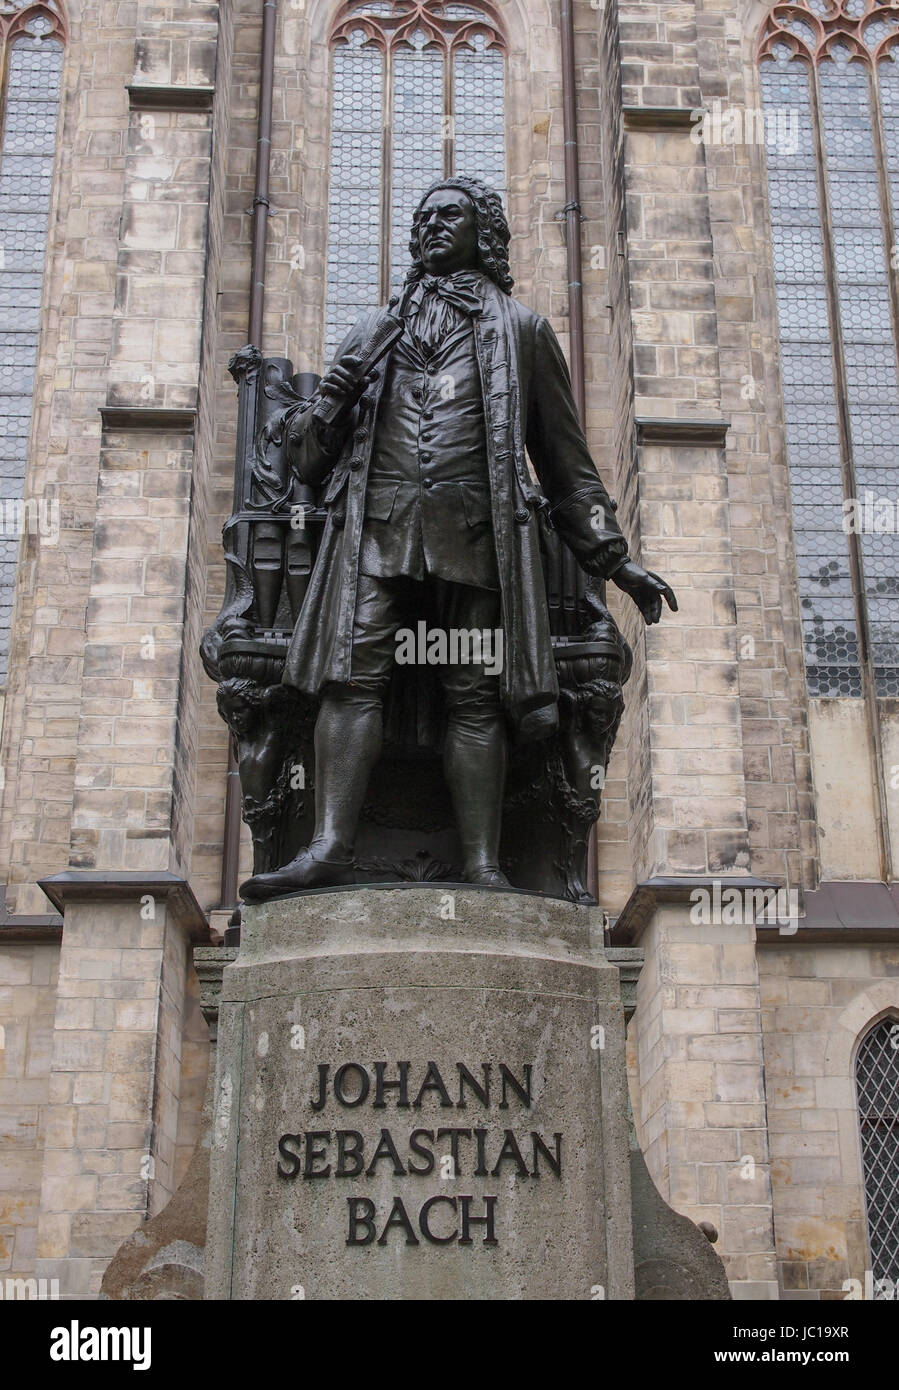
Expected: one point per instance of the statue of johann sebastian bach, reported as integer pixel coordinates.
(431, 509)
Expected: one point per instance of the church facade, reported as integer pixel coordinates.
(738, 207)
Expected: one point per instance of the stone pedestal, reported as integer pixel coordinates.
(420, 1094)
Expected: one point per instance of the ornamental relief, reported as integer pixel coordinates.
(41, 21)
(869, 29)
(441, 24)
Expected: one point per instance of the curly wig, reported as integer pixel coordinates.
(493, 231)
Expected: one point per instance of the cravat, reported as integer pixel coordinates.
(435, 302)
(460, 290)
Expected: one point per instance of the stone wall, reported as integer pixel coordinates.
(28, 973)
(721, 779)
(99, 730)
(724, 716)
(698, 1087)
(614, 857)
(40, 730)
(817, 1003)
(115, 1143)
(96, 740)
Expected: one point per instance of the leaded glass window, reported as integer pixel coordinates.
(834, 197)
(877, 1086)
(31, 52)
(417, 94)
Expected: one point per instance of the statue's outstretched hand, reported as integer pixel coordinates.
(646, 589)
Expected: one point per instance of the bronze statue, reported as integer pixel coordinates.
(433, 527)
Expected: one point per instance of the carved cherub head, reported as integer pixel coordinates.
(239, 702)
(590, 709)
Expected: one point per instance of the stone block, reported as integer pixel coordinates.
(406, 990)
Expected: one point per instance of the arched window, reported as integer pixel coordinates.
(830, 82)
(877, 1085)
(417, 93)
(31, 50)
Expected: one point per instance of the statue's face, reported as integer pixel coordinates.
(448, 232)
(241, 716)
(596, 717)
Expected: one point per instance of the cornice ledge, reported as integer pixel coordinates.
(658, 117)
(136, 417)
(662, 888)
(684, 430)
(166, 97)
(102, 885)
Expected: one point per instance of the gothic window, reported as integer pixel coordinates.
(417, 93)
(830, 84)
(31, 51)
(877, 1087)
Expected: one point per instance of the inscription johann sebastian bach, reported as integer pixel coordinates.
(478, 1151)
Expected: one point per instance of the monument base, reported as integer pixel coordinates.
(420, 1094)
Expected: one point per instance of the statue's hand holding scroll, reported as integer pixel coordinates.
(342, 386)
(340, 389)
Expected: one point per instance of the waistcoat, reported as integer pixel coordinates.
(427, 510)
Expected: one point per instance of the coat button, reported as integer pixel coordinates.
(522, 515)
(425, 458)
(360, 435)
(355, 465)
(428, 482)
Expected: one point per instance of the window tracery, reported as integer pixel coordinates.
(877, 1089)
(32, 37)
(834, 204)
(417, 94)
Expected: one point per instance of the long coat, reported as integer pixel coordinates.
(527, 405)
